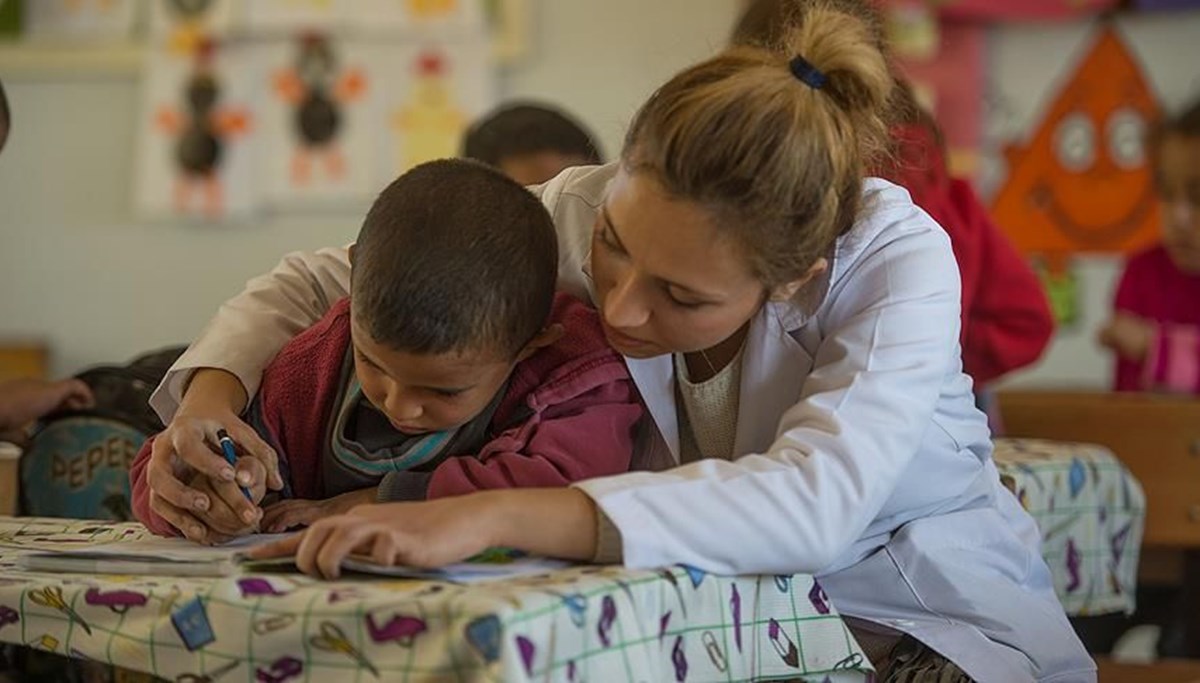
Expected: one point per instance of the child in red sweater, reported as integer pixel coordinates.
(1006, 320)
(1155, 329)
(453, 366)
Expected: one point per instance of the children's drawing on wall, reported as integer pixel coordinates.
(184, 24)
(80, 19)
(319, 142)
(431, 9)
(944, 63)
(192, 160)
(1081, 182)
(431, 122)
(445, 87)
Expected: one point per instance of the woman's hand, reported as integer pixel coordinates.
(552, 522)
(188, 449)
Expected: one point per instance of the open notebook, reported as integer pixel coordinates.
(180, 557)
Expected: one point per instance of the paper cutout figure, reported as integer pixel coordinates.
(189, 15)
(316, 90)
(1062, 291)
(431, 122)
(950, 84)
(1083, 183)
(201, 129)
(431, 9)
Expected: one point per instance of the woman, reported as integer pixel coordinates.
(793, 330)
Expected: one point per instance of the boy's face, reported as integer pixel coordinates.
(421, 393)
(1178, 170)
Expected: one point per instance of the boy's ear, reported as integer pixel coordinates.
(548, 335)
(350, 250)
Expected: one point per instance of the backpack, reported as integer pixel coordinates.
(77, 462)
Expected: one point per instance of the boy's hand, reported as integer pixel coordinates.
(1129, 336)
(295, 512)
(225, 520)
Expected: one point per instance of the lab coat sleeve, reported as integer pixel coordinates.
(252, 327)
(889, 338)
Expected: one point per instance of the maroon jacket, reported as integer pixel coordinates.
(569, 413)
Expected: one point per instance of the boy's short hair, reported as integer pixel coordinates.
(455, 256)
(526, 128)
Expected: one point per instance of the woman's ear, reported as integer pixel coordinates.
(786, 291)
(548, 335)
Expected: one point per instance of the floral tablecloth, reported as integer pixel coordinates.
(1090, 510)
(580, 624)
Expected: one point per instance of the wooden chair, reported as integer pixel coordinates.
(1158, 439)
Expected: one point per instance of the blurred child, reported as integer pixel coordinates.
(1006, 320)
(530, 143)
(453, 366)
(1155, 328)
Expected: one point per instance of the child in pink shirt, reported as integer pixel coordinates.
(1155, 329)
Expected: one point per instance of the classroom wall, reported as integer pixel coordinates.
(78, 270)
(1027, 63)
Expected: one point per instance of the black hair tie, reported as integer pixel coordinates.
(807, 73)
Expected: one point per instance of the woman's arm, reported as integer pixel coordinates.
(889, 334)
(209, 386)
(250, 328)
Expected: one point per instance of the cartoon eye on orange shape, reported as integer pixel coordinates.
(1126, 132)
(1075, 142)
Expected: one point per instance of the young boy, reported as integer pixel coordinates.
(452, 367)
(530, 143)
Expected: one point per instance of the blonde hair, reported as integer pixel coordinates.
(779, 162)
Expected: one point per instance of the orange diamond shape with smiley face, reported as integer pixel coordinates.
(1083, 183)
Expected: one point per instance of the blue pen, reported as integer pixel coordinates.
(230, 452)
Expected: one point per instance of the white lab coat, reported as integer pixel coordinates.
(867, 463)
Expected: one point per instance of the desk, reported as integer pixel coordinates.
(581, 624)
(1091, 511)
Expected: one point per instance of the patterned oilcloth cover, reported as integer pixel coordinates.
(578, 624)
(1090, 510)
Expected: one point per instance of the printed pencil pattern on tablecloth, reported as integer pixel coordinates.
(579, 624)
